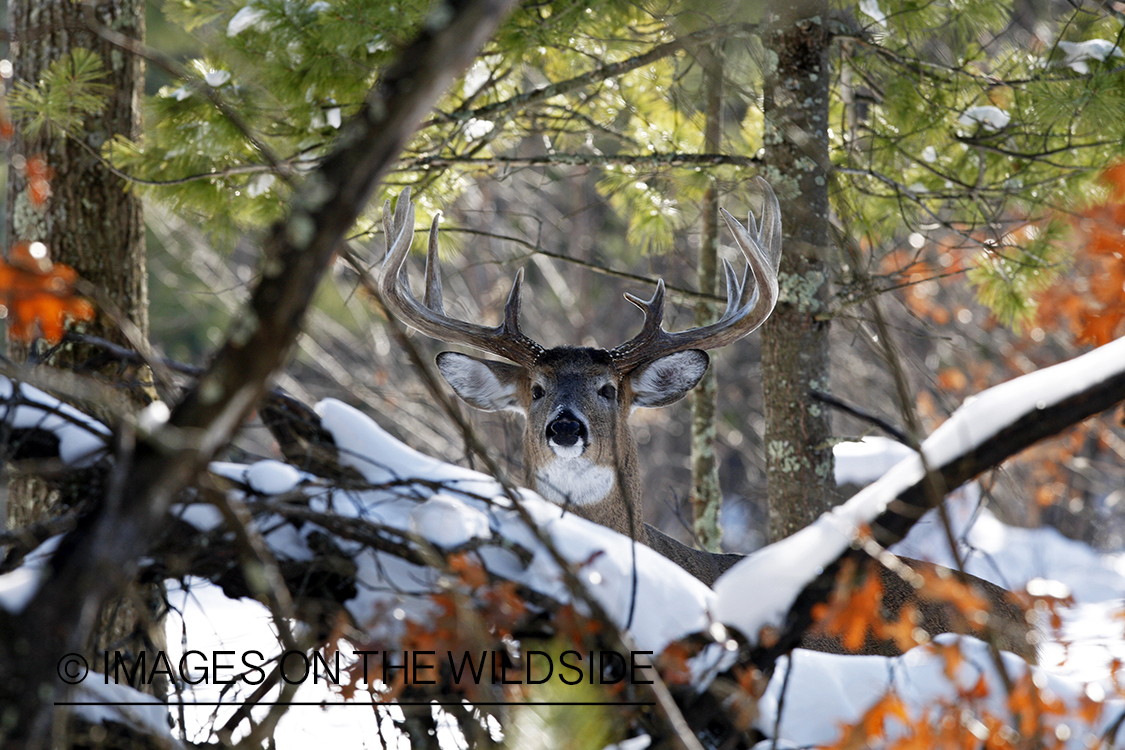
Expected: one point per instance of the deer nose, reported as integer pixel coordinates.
(566, 429)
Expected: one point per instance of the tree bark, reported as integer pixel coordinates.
(91, 223)
(795, 339)
(706, 495)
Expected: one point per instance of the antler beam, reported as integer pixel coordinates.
(428, 316)
(748, 304)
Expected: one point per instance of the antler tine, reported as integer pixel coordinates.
(749, 300)
(432, 298)
(512, 306)
(398, 229)
(505, 340)
(734, 286)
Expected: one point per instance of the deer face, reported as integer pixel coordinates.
(576, 405)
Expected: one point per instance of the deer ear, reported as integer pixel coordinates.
(665, 381)
(484, 383)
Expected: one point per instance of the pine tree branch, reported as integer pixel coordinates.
(612, 70)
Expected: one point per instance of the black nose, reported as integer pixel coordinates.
(565, 429)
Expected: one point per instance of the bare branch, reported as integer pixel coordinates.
(585, 160)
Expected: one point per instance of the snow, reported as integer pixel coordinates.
(18, 587)
(871, 8)
(271, 477)
(641, 742)
(202, 516)
(476, 129)
(864, 461)
(827, 691)
(82, 440)
(153, 417)
(983, 415)
(143, 713)
(472, 506)
(452, 507)
(446, 521)
(216, 78)
(260, 185)
(987, 117)
(248, 17)
(1078, 54)
(368, 448)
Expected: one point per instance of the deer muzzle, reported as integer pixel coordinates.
(566, 434)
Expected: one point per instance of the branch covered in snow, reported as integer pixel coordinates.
(791, 576)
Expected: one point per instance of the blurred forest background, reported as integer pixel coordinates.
(971, 179)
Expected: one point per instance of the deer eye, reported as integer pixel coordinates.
(537, 392)
(608, 392)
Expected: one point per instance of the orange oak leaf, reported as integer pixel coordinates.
(853, 609)
(872, 726)
(37, 295)
(1098, 327)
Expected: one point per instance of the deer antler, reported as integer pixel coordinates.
(748, 304)
(428, 316)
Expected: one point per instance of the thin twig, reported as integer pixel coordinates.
(855, 411)
(584, 160)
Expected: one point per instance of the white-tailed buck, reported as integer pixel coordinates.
(578, 449)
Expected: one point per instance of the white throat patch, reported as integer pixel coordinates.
(574, 481)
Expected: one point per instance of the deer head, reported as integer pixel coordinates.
(578, 449)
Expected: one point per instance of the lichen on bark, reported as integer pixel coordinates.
(795, 338)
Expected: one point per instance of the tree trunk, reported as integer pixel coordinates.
(795, 338)
(90, 222)
(93, 224)
(706, 495)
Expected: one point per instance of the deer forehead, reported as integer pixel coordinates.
(573, 369)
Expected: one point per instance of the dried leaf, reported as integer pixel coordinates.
(39, 176)
(470, 571)
(872, 725)
(962, 596)
(37, 295)
(852, 611)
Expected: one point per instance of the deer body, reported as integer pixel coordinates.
(578, 449)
